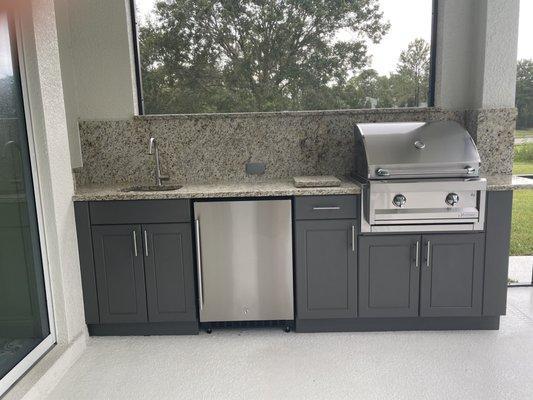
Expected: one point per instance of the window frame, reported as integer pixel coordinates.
(138, 73)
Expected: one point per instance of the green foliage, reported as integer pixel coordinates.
(524, 93)
(266, 55)
(524, 153)
(521, 233)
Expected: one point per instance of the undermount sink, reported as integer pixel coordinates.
(152, 188)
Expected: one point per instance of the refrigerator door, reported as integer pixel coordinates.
(244, 260)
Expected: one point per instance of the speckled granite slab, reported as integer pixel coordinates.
(316, 181)
(216, 147)
(493, 132)
(218, 190)
(508, 182)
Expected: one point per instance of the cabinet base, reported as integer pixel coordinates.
(144, 329)
(397, 324)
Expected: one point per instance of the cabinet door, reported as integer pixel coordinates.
(169, 272)
(388, 276)
(119, 272)
(326, 269)
(452, 275)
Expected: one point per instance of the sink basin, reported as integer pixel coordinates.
(152, 188)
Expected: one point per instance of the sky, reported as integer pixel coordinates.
(409, 19)
(6, 68)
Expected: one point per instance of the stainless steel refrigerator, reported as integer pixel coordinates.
(244, 260)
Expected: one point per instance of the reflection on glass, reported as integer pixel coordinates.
(23, 316)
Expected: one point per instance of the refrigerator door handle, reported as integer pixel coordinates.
(199, 264)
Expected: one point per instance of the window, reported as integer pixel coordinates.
(249, 55)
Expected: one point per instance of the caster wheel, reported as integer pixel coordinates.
(209, 331)
(287, 329)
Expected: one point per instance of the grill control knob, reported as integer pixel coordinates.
(399, 200)
(452, 199)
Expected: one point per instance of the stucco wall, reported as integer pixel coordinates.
(476, 53)
(56, 186)
(96, 54)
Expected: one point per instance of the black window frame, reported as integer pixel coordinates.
(137, 56)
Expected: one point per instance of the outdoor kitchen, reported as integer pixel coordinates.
(265, 199)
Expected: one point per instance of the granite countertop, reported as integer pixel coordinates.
(261, 189)
(192, 191)
(507, 182)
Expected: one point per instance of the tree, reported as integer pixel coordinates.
(412, 74)
(254, 55)
(524, 94)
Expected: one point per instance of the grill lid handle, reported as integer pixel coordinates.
(386, 172)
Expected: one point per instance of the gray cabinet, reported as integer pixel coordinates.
(388, 276)
(434, 275)
(452, 275)
(169, 272)
(326, 269)
(137, 267)
(144, 273)
(119, 270)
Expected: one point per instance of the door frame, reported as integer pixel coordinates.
(49, 341)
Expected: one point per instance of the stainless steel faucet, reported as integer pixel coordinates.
(152, 149)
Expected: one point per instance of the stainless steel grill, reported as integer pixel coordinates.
(419, 176)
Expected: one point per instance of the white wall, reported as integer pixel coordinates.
(476, 53)
(499, 41)
(98, 71)
(56, 185)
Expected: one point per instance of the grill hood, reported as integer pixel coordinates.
(441, 149)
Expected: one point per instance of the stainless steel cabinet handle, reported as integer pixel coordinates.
(326, 208)
(135, 243)
(353, 237)
(417, 254)
(199, 264)
(145, 243)
(428, 253)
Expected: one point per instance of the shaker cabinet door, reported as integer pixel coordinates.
(388, 276)
(118, 263)
(169, 272)
(452, 275)
(326, 269)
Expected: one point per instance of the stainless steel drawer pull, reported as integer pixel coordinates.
(326, 208)
(353, 237)
(145, 243)
(428, 253)
(135, 243)
(199, 264)
(417, 254)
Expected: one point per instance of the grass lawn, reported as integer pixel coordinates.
(522, 229)
(523, 133)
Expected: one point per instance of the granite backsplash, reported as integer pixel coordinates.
(216, 147)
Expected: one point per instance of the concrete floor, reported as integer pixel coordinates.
(520, 269)
(270, 364)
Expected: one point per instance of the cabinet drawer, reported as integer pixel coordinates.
(139, 211)
(325, 207)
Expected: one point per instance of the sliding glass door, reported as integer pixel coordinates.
(24, 314)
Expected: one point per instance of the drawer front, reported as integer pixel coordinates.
(325, 207)
(139, 211)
